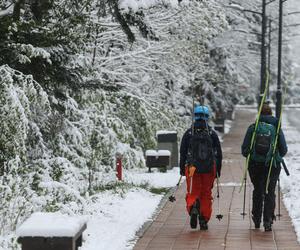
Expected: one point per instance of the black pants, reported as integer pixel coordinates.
(263, 202)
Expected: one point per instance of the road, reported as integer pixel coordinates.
(293, 116)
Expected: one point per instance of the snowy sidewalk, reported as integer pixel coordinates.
(171, 230)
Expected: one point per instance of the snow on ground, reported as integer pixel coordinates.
(154, 179)
(115, 216)
(290, 184)
(228, 124)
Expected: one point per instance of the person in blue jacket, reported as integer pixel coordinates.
(258, 172)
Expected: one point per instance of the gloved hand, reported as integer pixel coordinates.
(192, 170)
(218, 168)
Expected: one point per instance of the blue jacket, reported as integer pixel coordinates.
(185, 143)
(282, 147)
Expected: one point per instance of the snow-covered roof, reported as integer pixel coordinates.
(163, 132)
(151, 153)
(50, 225)
(158, 153)
(164, 153)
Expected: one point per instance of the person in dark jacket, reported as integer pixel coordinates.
(199, 185)
(264, 202)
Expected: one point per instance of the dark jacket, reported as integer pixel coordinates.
(282, 147)
(185, 143)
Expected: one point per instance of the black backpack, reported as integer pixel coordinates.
(201, 151)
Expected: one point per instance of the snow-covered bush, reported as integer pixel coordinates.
(24, 110)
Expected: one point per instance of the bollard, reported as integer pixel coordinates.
(119, 166)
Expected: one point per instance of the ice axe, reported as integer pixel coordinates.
(172, 197)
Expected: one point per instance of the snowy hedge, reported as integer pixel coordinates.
(51, 160)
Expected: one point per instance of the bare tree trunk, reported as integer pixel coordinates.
(39, 8)
(102, 8)
(116, 12)
(95, 46)
(17, 9)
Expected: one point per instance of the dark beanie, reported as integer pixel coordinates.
(266, 109)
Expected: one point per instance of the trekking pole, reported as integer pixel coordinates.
(244, 202)
(279, 214)
(172, 197)
(191, 184)
(219, 216)
(193, 128)
(254, 133)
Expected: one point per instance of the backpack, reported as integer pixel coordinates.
(201, 151)
(264, 143)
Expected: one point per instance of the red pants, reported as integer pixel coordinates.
(202, 185)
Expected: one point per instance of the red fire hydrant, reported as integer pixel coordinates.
(119, 166)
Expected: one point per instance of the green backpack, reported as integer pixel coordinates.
(264, 143)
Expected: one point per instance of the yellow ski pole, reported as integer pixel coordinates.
(244, 177)
(276, 142)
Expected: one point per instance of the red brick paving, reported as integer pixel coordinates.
(171, 231)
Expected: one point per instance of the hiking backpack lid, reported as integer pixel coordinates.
(264, 143)
(201, 151)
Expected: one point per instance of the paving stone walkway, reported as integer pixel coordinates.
(171, 230)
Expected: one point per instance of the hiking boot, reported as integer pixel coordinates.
(193, 217)
(256, 222)
(257, 225)
(268, 226)
(194, 214)
(202, 223)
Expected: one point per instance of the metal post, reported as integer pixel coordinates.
(263, 51)
(279, 92)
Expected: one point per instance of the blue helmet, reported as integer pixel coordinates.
(201, 113)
